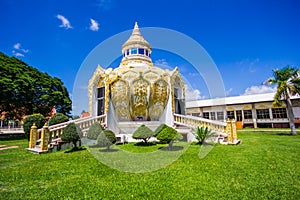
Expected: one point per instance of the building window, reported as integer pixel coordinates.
(263, 114)
(147, 52)
(230, 114)
(247, 114)
(279, 113)
(212, 115)
(100, 100)
(141, 51)
(127, 52)
(206, 115)
(196, 114)
(239, 116)
(133, 51)
(220, 116)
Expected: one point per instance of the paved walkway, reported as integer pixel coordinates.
(9, 131)
(266, 129)
(3, 147)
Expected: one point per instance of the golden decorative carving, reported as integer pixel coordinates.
(159, 99)
(120, 99)
(130, 76)
(140, 98)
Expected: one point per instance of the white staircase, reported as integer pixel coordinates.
(183, 124)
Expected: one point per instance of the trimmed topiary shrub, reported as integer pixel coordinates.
(106, 139)
(94, 131)
(159, 129)
(58, 118)
(168, 135)
(143, 132)
(37, 119)
(71, 134)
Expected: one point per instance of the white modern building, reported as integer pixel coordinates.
(249, 110)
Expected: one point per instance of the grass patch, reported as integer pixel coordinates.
(265, 166)
(75, 149)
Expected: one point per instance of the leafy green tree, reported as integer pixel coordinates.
(201, 133)
(143, 132)
(58, 118)
(169, 135)
(288, 83)
(71, 133)
(159, 129)
(37, 119)
(75, 117)
(106, 139)
(25, 90)
(94, 131)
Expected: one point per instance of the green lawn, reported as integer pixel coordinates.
(265, 166)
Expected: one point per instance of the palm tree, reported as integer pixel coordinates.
(201, 133)
(288, 84)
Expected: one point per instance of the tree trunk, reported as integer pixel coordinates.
(75, 143)
(170, 145)
(291, 115)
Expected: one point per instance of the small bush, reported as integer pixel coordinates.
(58, 118)
(143, 132)
(94, 131)
(71, 134)
(159, 129)
(37, 119)
(201, 133)
(168, 135)
(106, 139)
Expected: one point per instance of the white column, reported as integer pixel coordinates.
(271, 114)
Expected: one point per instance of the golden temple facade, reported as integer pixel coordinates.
(137, 90)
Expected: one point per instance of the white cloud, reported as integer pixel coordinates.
(104, 4)
(65, 23)
(249, 65)
(192, 94)
(227, 92)
(18, 51)
(17, 54)
(194, 74)
(163, 64)
(17, 46)
(94, 25)
(259, 90)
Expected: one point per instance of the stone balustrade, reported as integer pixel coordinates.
(222, 128)
(48, 133)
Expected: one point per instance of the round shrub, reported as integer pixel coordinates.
(159, 129)
(58, 118)
(37, 119)
(94, 131)
(71, 134)
(106, 139)
(168, 135)
(143, 132)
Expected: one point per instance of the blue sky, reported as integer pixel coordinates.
(246, 39)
